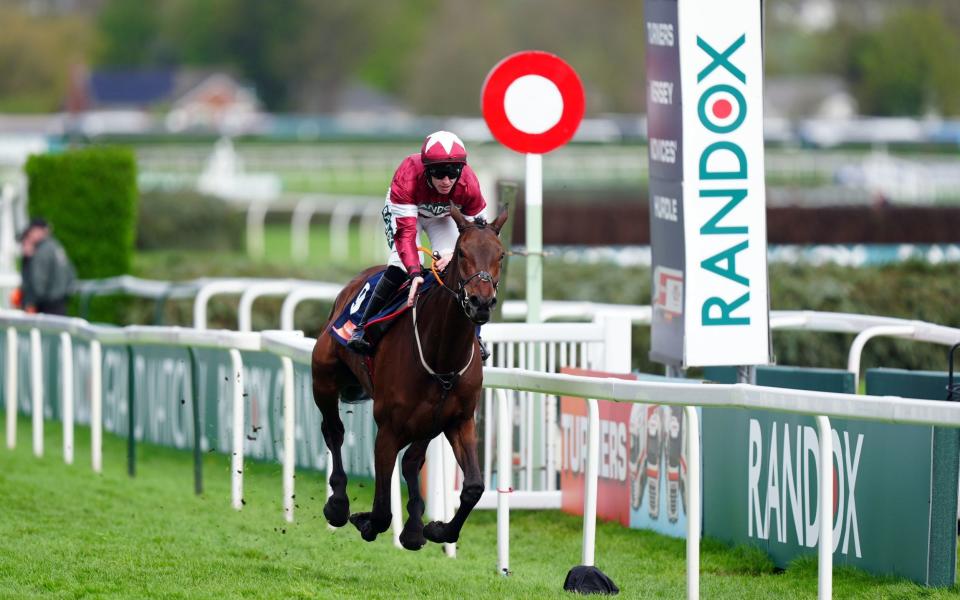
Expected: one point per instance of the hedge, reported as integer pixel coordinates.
(187, 220)
(89, 197)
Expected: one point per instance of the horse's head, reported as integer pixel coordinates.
(476, 264)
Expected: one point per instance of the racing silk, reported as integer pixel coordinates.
(412, 198)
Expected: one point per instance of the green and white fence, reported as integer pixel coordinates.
(292, 348)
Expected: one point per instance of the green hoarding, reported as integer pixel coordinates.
(760, 472)
(164, 397)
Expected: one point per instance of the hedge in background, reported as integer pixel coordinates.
(188, 221)
(89, 197)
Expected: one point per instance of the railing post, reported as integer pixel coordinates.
(504, 480)
(197, 428)
(96, 407)
(131, 413)
(236, 464)
(396, 503)
(825, 502)
(66, 397)
(590, 485)
(693, 502)
(11, 387)
(289, 456)
(36, 390)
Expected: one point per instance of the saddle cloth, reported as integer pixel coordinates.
(343, 326)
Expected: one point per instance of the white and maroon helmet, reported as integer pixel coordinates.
(443, 147)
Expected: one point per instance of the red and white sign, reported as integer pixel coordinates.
(533, 102)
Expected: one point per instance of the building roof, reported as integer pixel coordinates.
(131, 88)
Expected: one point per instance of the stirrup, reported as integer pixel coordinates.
(358, 344)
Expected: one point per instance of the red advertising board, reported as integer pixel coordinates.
(613, 487)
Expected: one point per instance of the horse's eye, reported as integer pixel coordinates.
(460, 254)
(502, 254)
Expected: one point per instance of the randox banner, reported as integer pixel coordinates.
(895, 486)
(707, 200)
(643, 467)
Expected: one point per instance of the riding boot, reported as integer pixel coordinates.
(484, 353)
(385, 290)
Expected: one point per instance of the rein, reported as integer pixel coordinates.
(447, 381)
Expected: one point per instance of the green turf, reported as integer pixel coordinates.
(68, 533)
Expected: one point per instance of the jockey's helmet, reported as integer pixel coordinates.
(443, 147)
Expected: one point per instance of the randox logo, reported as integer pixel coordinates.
(783, 470)
(723, 173)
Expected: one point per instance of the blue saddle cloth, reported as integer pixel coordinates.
(346, 322)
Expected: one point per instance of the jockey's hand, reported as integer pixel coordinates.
(415, 283)
(442, 262)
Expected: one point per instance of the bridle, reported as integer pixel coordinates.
(460, 292)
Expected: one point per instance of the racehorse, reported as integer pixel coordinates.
(425, 379)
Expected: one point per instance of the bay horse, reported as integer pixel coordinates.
(425, 379)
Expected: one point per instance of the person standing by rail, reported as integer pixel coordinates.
(47, 275)
(421, 192)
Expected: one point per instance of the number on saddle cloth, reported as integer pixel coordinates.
(344, 325)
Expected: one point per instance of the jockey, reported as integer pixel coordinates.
(419, 198)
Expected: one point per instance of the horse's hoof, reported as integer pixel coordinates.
(336, 510)
(365, 526)
(437, 531)
(412, 541)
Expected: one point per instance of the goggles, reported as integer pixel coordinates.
(451, 170)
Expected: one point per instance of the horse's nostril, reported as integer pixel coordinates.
(474, 301)
(493, 302)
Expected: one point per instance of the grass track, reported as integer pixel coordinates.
(67, 533)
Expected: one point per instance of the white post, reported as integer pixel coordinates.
(693, 502)
(11, 390)
(590, 485)
(825, 502)
(236, 465)
(300, 230)
(66, 370)
(434, 485)
(96, 407)
(340, 230)
(488, 396)
(396, 508)
(534, 235)
(504, 480)
(36, 389)
(448, 464)
(256, 214)
(617, 329)
(289, 456)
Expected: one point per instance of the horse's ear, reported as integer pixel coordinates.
(501, 219)
(458, 217)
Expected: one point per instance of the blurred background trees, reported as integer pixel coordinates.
(898, 58)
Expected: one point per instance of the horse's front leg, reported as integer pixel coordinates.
(411, 537)
(371, 524)
(463, 438)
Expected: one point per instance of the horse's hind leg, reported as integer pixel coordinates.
(411, 537)
(373, 523)
(325, 395)
(463, 438)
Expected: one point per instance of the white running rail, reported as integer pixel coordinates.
(824, 405)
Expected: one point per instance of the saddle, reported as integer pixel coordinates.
(346, 322)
